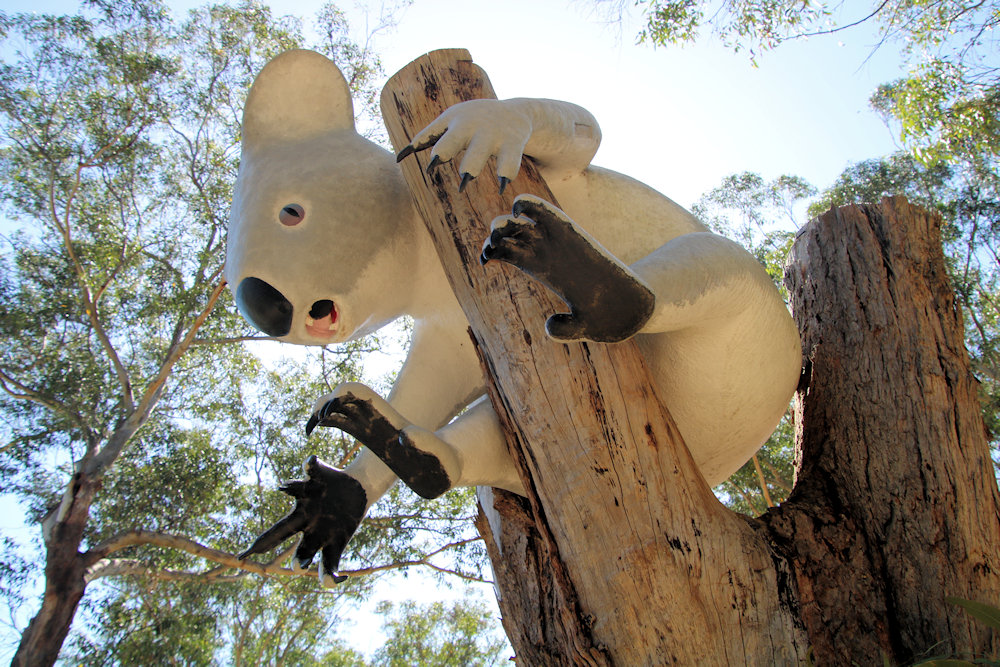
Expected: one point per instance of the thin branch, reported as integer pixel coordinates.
(777, 478)
(21, 391)
(762, 482)
(139, 415)
(806, 35)
(90, 307)
(100, 565)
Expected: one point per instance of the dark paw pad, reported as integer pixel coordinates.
(329, 505)
(608, 302)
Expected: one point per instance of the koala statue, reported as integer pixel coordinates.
(325, 246)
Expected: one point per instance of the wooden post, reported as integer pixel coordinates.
(651, 568)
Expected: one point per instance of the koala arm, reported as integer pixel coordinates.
(439, 378)
(561, 137)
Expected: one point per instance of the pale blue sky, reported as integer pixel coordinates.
(679, 119)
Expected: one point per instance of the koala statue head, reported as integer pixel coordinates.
(321, 231)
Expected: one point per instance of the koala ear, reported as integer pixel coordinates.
(297, 95)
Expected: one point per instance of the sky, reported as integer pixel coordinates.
(679, 119)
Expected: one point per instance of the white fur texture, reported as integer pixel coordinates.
(722, 347)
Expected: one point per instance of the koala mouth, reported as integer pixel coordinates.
(322, 320)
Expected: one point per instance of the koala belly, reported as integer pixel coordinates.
(726, 388)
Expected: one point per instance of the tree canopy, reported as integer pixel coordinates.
(141, 434)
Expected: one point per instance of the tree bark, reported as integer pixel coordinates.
(637, 562)
(65, 583)
(896, 505)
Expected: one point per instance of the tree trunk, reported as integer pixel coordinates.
(895, 505)
(638, 563)
(620, 554)
(65, 582)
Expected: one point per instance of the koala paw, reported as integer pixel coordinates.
(481, 128)
(359, 412)
(608, 302)
(329, 505)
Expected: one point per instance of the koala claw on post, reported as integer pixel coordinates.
(360, 413)
(608, 302)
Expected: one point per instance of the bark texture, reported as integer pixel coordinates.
(65, 582)
(631, 559)
(895, 505)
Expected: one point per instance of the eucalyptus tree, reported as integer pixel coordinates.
(141, 437)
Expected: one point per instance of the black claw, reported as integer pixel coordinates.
(297, 488)
(276, 534)
(503, 183)
(466, 179)
(435, 161)
(406, 152)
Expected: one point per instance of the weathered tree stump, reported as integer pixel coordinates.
(895, 505)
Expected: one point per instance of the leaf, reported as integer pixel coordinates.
(988, 614)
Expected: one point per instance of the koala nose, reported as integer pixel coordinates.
(264, 307)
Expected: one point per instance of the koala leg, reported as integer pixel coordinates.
(424, 462)
(608, 302)
(469, 451)
(479, 443)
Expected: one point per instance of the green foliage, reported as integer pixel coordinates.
(744, 491)
(761, 24)
(438, 635)
(981, 611)
(759, 215)
(119, 143)
(945, 113)
(944, 30)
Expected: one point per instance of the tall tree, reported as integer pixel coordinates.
(438, 635)
(142, 439)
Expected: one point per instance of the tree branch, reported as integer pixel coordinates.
(99, 563)
(762, 482)
(20, 391)
(89, 304)
(141, 412)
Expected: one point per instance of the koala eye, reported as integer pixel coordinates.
(291, 215)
